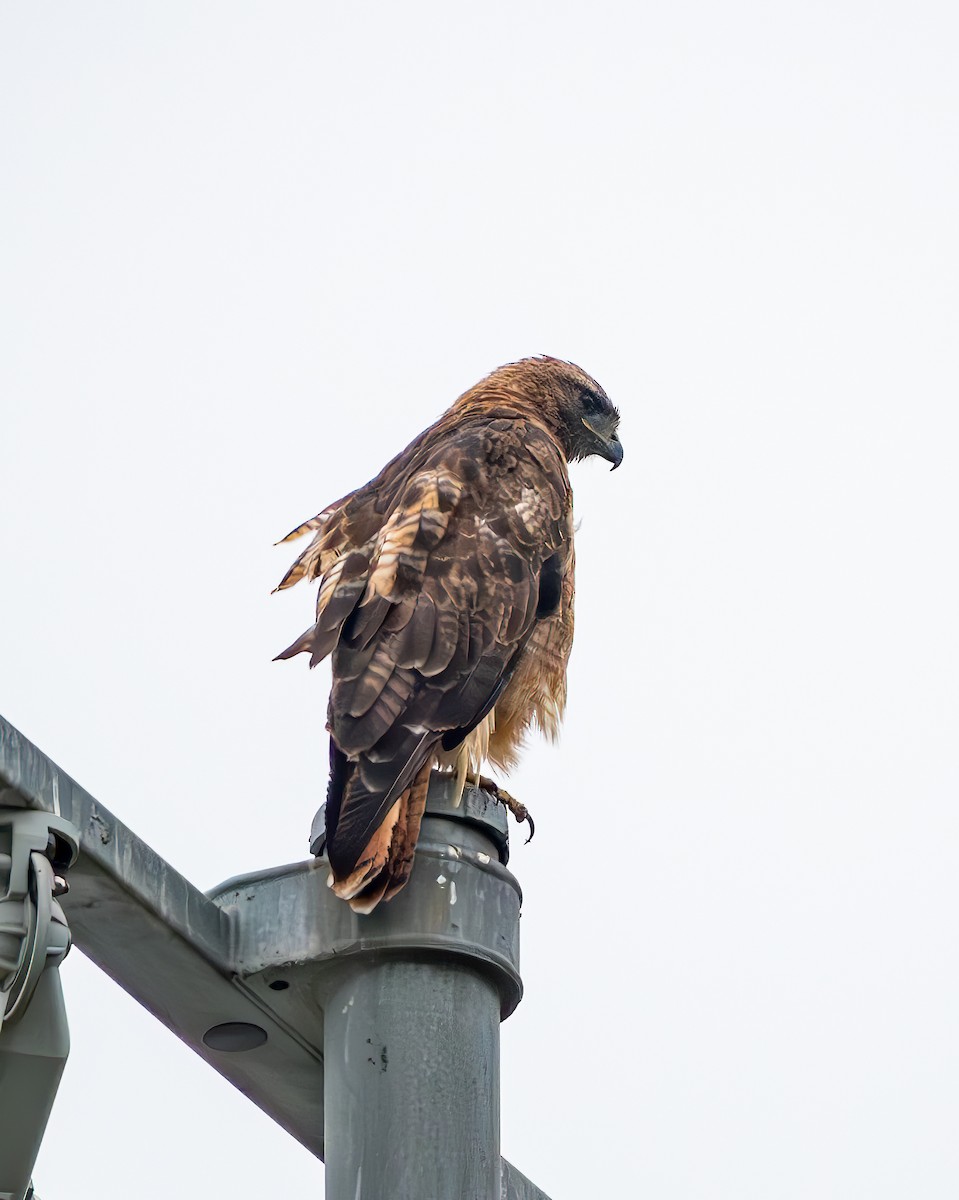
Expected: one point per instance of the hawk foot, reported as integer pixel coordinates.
(516, 807)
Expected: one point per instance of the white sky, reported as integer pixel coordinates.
(248, 251)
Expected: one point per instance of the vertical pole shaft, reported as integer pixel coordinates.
(411, 1052)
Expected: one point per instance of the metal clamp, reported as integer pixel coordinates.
(36, 849)
(34, 934)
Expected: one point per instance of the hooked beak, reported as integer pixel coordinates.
(610, 448)
(613, 451)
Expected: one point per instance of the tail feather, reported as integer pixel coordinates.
(382, 864)
(407, 832)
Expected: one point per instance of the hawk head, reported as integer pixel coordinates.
(572, 403)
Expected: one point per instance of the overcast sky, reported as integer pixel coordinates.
(248, 251)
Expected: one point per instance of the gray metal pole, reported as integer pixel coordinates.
(411, 1025)
(411, 1051)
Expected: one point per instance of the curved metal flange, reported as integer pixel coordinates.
(293, 937)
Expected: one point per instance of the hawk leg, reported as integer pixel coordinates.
(516, 807)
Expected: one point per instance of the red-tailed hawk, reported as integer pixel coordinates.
(446, 599)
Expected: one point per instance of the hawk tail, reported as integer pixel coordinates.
(370, 850)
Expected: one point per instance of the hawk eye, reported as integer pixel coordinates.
(592, 402)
